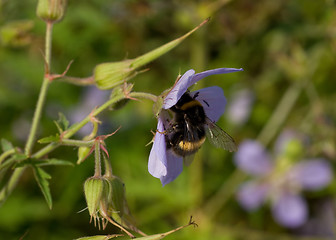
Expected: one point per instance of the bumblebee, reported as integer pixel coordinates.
(190, 126)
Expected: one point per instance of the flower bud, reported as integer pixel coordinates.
(118, 204)
(51, 10)
(83, 153)
(95, 189)
(112, 74)
(118, 195)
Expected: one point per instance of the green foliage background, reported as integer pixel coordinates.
(278, 43)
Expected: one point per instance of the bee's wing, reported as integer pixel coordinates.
(219, 138)
(187, 160)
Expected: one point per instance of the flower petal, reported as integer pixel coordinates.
(174, 168)
(158, 156)
(212, 100)
(252, 158)
(163, 164)
(290, 210)
(313, 174)
(178, 89)
(252, 194)
(204, 74)
(240, 106)
(188, 79)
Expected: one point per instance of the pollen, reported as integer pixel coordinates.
(191, 146)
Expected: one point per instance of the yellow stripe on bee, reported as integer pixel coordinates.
(190, 104)
(191, 146)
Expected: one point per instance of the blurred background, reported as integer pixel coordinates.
(287, 49)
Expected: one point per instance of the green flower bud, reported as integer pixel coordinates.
(51, 10)
(82, 154)
(95, 189)
(118, 197)
(112, 74)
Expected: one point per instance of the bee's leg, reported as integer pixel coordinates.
(172, 128)
(163, 132)
(196, 95)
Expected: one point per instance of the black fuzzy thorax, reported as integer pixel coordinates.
(188, 131)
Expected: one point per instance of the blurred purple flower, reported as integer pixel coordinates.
(240, 107)
(281, 182)
(283, 139)
(165, 164)
(261, 163)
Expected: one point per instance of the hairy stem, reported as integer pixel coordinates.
(148, 96)
(8, 188)
(77, 143)
(76, 127)
(43, 92)
(97, 160)
(69, 133)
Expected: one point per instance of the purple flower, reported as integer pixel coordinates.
(280, 182)
(165, 164)
(240, 107)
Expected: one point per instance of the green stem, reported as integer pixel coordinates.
(97, 160)
(228, 188)
(70, 132)
(77, 143)
(285, 105)
(76, 127)
(108, 166)
(148, 96)
(47, 149)
(10, 161)
(6, 154)
(43, 92)
(280, 114)
(79, 81)
(8, 188)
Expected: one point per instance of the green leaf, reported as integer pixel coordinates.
(100, 237)
(19, 157)
(4, 166)
(53, 138)
(22, 162)
(6, 145)
(42, 177)
(62, 123)
(53, 161)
